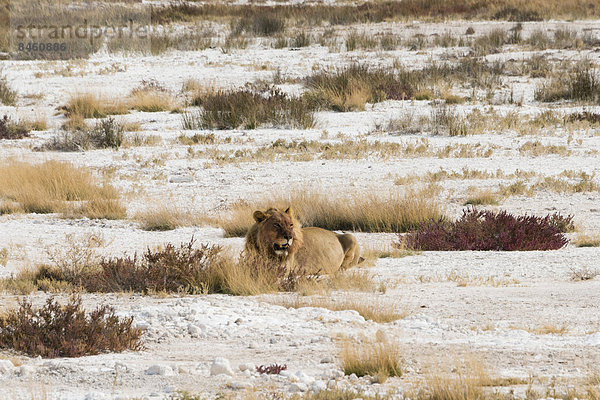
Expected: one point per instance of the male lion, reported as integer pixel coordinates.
(279, 236)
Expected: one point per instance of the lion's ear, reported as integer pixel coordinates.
(259, 216)
(290, 212)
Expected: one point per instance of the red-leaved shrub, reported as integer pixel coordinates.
(488, 230)
(66, 331)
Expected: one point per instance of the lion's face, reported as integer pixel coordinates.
(276, 230)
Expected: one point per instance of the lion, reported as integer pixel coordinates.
(279, 236)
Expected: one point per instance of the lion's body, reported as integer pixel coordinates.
(278, 236)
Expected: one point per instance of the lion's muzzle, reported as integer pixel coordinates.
(281, 248)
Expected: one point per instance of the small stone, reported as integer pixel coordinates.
(181, 179)
(26, 370)
(353, 378)
(246, 367)
(240, 385)
(252, 345)
(327, 360)
(239, 321)
(221, 366)
(298, 387)
(318, 386)
(6, 366)
(161, 370)
(194, 331)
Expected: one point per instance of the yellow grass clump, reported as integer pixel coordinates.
(378, 357)
(55, 186)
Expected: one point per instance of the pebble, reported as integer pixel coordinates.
(194, 330)
(162, 370)
(327, 360)
(26, 370)
(6, 366)
(246, 367)
(298, 387)
(221, 366)
(240, 385)
(318, 386)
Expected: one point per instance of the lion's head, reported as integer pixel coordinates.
(276, 233)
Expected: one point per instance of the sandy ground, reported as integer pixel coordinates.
(458, 305)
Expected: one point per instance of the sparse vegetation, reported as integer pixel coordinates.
(12, 130)
(273, 369)
(580, 83)
(584, 273)
(66, 331)
(487, 230)
(365, 212)
(8, 96)
(105, 134)
(481, 197)
(586, 240)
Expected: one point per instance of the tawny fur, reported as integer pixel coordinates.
(313, 249)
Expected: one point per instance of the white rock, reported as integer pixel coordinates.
(194, 330)
(246, 367)
(96, 396)
(162, 370)
(240, 385)
(6, 366)
(26, 370)
(221, 366)
(593, 339)
(304, 378)
(327, 360)
(319, 386)
(180, 179)
(298, 387)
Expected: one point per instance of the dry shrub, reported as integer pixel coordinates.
(378, 358)
(363, 212)
(487, 230)
(52, 186)
(190, 270)
(12, 130)
(8, 96)
(584, 273)
(106, 134)
(350, 88)
(66, 331)
(581, 83)
(250, 110)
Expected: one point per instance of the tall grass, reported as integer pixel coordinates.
(8, 96)
(363, 212)
(90, 105)
(55, 186)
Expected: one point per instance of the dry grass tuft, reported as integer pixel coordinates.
(57, 187)
(466, 383)
(584, 273)
(150, 96)
(363, 212)
(90, 105)
(586, 240)
(481, 197)
(164, 218)
(370, 308)
(378, 358)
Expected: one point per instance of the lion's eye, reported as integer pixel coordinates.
(277, 226)
(291, 225)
